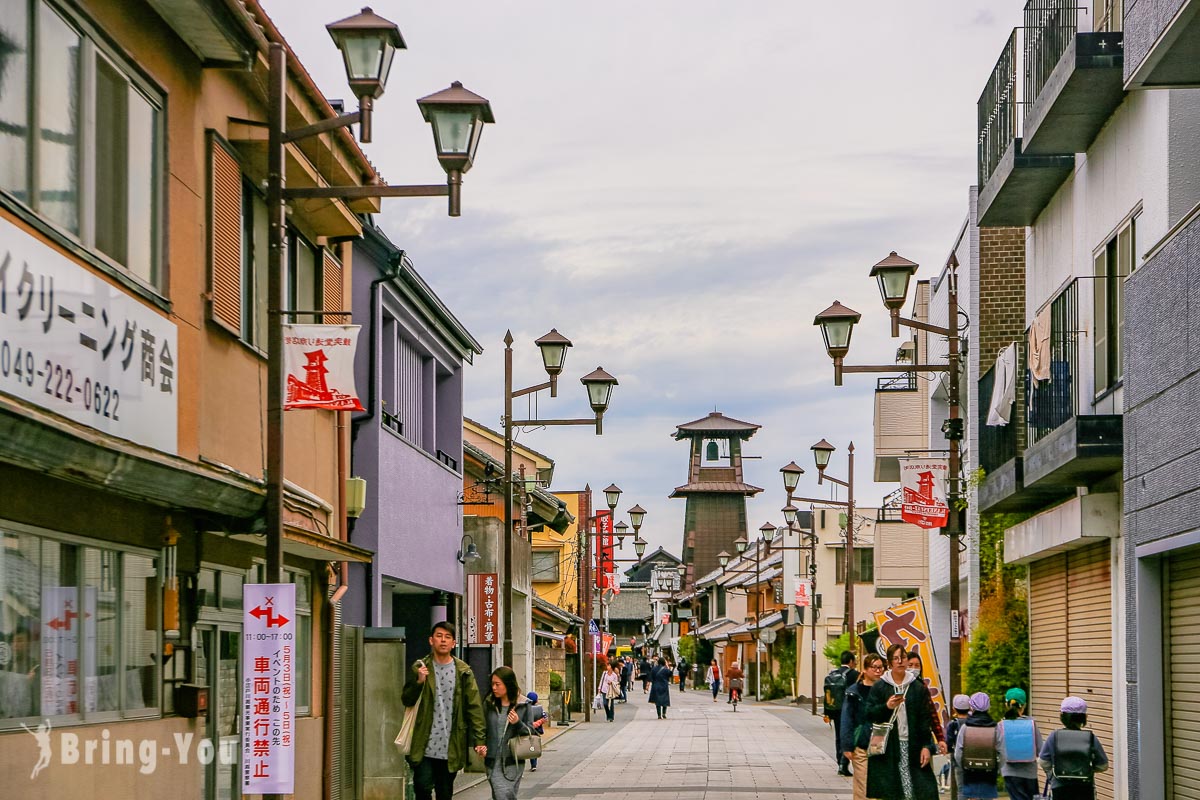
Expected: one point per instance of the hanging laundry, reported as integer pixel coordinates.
(1039, 346)
(1004, 387)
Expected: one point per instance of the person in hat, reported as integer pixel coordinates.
(1072, 756)
(1018, 744)
(961, 706)
(975, 749)
(539, 716)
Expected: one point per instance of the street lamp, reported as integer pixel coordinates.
(599, 384)
(790, 513)
(741, 544)
(893, 274)
(368, 44)
(613, 493)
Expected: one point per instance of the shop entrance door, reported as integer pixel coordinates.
(218, 666)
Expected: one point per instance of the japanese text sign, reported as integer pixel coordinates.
(268, 681)
(65, 652)
(483, 609)
(319, 363)
(923, 486)
(605, 564)
(907, 624)
(83, 348)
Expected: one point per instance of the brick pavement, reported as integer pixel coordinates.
(702, 751)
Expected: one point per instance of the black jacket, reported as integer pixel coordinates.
(856, 731)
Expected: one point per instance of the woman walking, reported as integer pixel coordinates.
(916, 666)
(856, 731)
(660, 688)
(610, 688)
(902, 771)
(1019, 742)
(713, 678)
(509, 713)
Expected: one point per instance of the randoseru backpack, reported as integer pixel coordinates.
(835, 690)
(1073, 755)
(1020, 740)
(979, 747)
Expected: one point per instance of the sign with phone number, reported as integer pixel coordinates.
(73, 344)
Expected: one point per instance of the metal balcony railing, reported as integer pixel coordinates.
(1052, 402)
(997, 443)
(905, 382)
(999, 108)
(1050, 27)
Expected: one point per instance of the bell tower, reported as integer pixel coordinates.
(715, 490)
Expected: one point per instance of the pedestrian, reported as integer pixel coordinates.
(836, 683)
(609, 688)
(683, 667)
(713, 678)
(626, 677)
(734, 679)
(961, 706)
(660, 688)
(939, 734)
(644, 670)
(1072, 756)
(1019, 745)
(540, 716)
(856, 731)
(976, 748)
(449, 720)
(509, 714)
(902, 771)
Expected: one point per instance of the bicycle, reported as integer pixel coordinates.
(735, 692)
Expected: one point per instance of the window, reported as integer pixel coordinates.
(1114, 261)
(93, 168)
(720, 601)
(82, 635)
(304, 278)
(546, 565)
(864, 565)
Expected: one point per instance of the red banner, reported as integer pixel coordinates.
(605, 564)
(483, 617)
(923, 485)
(318, 361)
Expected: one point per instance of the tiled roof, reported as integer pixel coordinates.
(716, 422)
(710, 487)
(633, 603)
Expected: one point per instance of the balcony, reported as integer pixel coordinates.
(1162, 38)
(901, 423)
(901, 559)
(1014, 185)
(1000, 448)
(1073, 80)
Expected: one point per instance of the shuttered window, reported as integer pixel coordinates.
(225, 238)
(333, 294)
(1181, 657)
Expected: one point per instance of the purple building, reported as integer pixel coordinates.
(407, 445)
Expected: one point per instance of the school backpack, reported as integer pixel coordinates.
(1073, 755)
(835, 690)
(979, 747)
(1020, 740)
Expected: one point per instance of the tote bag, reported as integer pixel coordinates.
(404, 737)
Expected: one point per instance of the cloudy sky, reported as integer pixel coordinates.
(679, 187)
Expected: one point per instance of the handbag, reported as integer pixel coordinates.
(880, 731)
(525, 746)
(409, 723)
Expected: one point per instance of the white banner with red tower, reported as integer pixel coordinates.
(318, 361)
(923, 485)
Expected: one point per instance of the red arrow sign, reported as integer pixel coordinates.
(272, 620)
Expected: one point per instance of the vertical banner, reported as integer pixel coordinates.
(803, 594)
(605, 564)
(923, 486)
(61, 667)
(268, 681)
(907, 624)
(318, 361)
(482, 609)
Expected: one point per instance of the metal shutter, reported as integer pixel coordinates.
(333, 296)
(1090, 644)
(1181, 643)
(225, 237)
(1047, 642)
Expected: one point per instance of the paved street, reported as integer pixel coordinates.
(702, 751)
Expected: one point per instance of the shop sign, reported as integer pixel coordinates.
(483, 611)
(268, 684)
(318, 361)
(907, 624)
(803, 594)
(82, 348)
(923, 486)
(605, 557)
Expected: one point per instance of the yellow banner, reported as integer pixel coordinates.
(908, 625)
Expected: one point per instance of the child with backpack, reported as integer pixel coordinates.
(975, 749)
(961, 705)
(1072, 756)
(539, 716)
(1018, 743)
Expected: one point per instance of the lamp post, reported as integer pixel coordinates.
(741, 544)
(791, 475)
(599, 385)
(467, 551)
(893, 274)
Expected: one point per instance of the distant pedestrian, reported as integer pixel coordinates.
(856, 730)
(713, 678)
(540, 717)
(610, 689)
(449, 720)
(660, 688)
(975, 747)
(683, 668)
(1020, 741)
(902, 771)
(644, 670)
(509, 714)
(961, 706)
(1072, 756)
(734, 679)
(626, 677)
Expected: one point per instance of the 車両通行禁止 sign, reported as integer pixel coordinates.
(268, 683)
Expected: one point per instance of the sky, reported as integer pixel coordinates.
(679, 187)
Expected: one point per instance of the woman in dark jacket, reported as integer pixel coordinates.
(660, 687)
(856, 731)
(903, 772)
(508, 713)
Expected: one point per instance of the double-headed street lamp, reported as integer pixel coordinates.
(822, 450)
(837, 324)
(368, 44)
(790, 513)
(741, 544)
(599, 385)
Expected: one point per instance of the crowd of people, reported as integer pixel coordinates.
(888, 730)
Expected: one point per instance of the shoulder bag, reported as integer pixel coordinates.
(408, 724)
(880, 731)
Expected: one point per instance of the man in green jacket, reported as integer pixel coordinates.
(449, 719)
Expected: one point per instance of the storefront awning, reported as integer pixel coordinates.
(558, 637)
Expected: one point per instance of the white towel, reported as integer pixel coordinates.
(1039, 346)
(1004, 389)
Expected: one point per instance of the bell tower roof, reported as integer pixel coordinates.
(716, 425)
